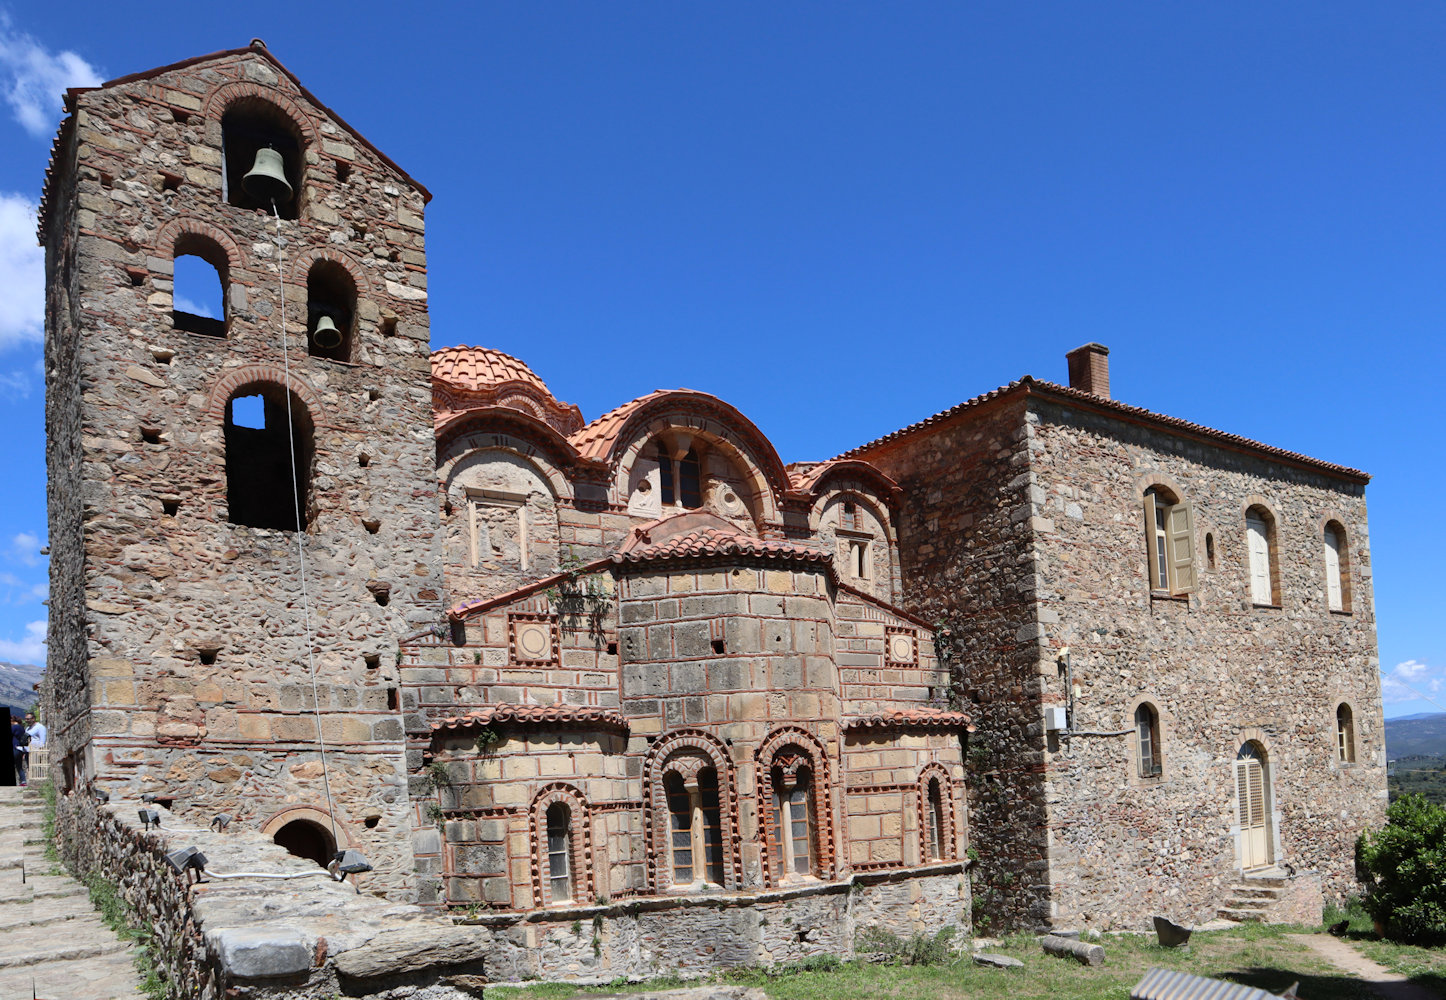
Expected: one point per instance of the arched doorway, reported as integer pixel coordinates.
(306, 839)
(1252, 799)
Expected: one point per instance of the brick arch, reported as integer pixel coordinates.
(1154, 477)
(460, 446)
(655, 801)
(238, 378)
(173, 232)
(301, 266)
(581, 835)
(224, 96)
(768, 750)
(935, 771)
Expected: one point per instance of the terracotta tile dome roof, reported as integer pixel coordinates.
(478, 368)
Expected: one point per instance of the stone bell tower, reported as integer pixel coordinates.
(191, 449)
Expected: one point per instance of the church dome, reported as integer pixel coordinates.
(478, 369)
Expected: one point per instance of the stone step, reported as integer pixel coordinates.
(52, 913)
(1264, 881)
(1248, 892)
(109, 977)
(68, 952)
(1242, 914)
(34, 894)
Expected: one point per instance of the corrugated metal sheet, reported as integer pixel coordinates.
(1163, 984)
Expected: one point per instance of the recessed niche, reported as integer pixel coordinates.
(381, 591)
(374, 394)
(208, 655)
(718, 646)
(106, 180)
(137, 276)
(392, 699)
(372, 660)
(343, 171)
(180, 117)
(388, 326)
(169, 506)
(371, 822)
(363, 460)
(163, 355)
(613, 648)
(372, 525)
(170, 181)
(151, 435)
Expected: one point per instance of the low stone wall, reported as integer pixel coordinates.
(1302, 900)
(310, 937)
(693, 934)
(265, 938)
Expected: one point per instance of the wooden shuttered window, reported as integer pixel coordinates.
(1256, 850)
(1170, 534)
(1334, 595)
(1257, 537)
(1147, 741)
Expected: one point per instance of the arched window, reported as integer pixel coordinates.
(1170, 535)
(268, 459)
(1147, 741)
(1260, 545)
(936, 842)
(200, 286)
(695, 832)
(1345, 735)
(1337, 567)
(665, 475)
(559, 852)
(794, 841)
(690, 484)
(248, 126)
(330, 311)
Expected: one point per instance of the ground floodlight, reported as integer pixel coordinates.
(188, 859)
(220, 821)
(148, 797)
(351, 862)
(149, 817)
(101, 795)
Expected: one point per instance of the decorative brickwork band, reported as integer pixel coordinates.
(179, 235)
(249, 375)
(785, 746)
(580, 832)
(686, 751)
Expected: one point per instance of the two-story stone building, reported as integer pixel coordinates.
(638, 670)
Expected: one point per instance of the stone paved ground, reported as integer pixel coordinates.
(49, 933)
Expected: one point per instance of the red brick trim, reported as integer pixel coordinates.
(171, 233)
(581, 827)
(248, 375)
(950, 847)
(224, 96)
(655, 804)
(302, 262)
(780, 739)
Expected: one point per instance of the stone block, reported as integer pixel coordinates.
(261, 952)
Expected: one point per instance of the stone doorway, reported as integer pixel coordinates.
(1252, 797)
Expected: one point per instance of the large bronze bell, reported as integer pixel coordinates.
(326, 336)
(266, 181)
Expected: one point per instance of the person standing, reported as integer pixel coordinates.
(36, 730)
(20, 749)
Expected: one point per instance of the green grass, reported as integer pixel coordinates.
(1424, 966)
(1254, 955)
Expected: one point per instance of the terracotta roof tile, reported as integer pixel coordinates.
(559, 715)
(1029, 384)
(910, 718)
(477, 368)
(595, 440)
(706, 542)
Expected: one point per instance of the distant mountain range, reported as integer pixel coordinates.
(17, 682)
(1411, 735)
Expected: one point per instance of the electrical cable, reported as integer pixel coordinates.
(296, 507)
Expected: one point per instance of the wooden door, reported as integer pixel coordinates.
(1252, 795)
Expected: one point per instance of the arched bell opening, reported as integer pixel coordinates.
(263, 151)
(306, 839)
(330, 311)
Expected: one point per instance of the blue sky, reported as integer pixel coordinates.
(845, 217)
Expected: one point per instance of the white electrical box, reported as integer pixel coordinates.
(1056, 719)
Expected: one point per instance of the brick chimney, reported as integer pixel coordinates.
(1089, 369)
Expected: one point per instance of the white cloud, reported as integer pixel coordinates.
(1409, 681)
(185, 305)
(30, 649)
(25, 548)
(34, 78)
(22, 273)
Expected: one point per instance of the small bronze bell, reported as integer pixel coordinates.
(326, 336)
(267, 181)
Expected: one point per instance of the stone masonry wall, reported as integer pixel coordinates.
(195, 661)
(966, 536)
(1218, 669)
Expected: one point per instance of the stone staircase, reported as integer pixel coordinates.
(1256, 898)
(49, 934)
